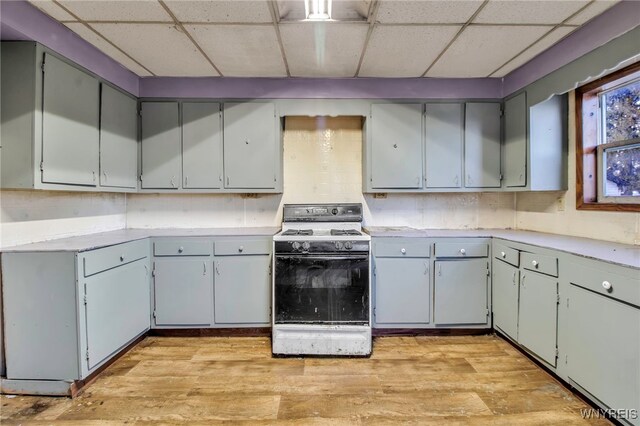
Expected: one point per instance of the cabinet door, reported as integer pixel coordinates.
(250, 145)
(505, 285)
(402, 291)
(461, 291)
(242, 290)
(396, 146)
(183, 291)
(117, 309)
(603, 348)
(538, 315)
(482, 145)
(443, 145)
(201, 145)
(515, 141)
(118, 139)
(70, 120)
(161, 164)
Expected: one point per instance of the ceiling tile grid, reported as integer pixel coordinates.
(374, 38)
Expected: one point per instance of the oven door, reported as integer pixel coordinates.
(321, 289)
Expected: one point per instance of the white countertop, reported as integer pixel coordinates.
(617, 253)
(104, 239)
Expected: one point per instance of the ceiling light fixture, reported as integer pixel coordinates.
(317, 10)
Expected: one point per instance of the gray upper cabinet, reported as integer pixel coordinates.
(396, 146)
(251, 154)
(482, 145)
(118, 139)
(201, 145)
(515, 141)
(443, 145)
(161, 150)
(70, 117)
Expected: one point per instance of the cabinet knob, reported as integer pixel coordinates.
(122, 258)
(241, 249)
(606, 285)
(503, 254)
(395, 145)
(403, 251)
(463, 251)
(246, 141)
(535, 264)
(180, 249)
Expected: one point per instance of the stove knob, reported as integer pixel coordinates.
(334, 211)
(338, 245)
(305, 246)
(295, 245)
(348, 245)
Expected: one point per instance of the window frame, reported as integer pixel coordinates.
(589, 166)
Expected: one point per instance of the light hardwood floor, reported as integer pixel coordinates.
(417, 380)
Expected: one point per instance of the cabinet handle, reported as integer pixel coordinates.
(403, 251)
(241, 249)
(523, 278)
(180, 249)
(426, 268)
(607, 285)
(122, 258)
(463, 252)
(514, 277)
(217, 268)
(204, 266)
(503, 254)
(534, 263)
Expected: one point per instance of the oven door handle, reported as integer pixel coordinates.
(322, 257)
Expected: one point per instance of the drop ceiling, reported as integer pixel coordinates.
(383, 38)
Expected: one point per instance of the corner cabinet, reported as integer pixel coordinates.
(70, 312)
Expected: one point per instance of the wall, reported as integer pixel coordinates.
(322, 164)
(29, 216)
(556, 211)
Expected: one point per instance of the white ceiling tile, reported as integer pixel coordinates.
(594, 9)
(241, 50)
(120, 10)
(405, 51)
(540, 46)
(323, 49)
(53, 10)
(107, 48)
(479, 50)
(427, 12)
(528, 11)
(162, 48)
(247, 11)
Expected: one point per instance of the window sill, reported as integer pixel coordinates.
(607, 207)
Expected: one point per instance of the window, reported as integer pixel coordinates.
(608, 142)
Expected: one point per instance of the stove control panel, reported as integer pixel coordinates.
(321, 247)
(322, 212)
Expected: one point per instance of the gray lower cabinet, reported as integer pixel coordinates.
(505, 289)
(515, 141)
(401, 270)
(67, 313)
(251, 146)
(161, 147)
(201, 145)
(482, 140)
(443, 145)
(118, 139)
(183, 291)
(461, 291)
(242, 289)
(396, 146)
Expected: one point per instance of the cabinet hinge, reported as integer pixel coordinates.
(140, 178)
(42, 65)
(558, 299)
(269, 269)
(87, 355)
(275, 178)
(374, 311)
(42, 166)
(153, 272)
(501, 112)
(566, 359)
(154, 314)
(375, 270)
(84, 299)
(501, 177)
(567, 303)
(557, 352)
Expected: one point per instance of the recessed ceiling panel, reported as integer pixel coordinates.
(427, 12)
(480, 50)
(162, 48)
(245, 11)
(542, 45)
(107, 48)
(53, 10)
(121, 10)
(323, 49)
(397, 51)
(528, 11)
(594, 9)
(341, 10)
(241, 50)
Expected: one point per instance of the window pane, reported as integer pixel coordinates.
(622, 113)
(623, 171)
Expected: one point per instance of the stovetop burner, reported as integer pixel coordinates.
(345, 232)
(298, 232)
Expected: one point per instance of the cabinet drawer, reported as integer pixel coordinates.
(182, 248)
(402, 248)
(606, 283)
(109, 257)
(540, 263)
(226, 248)
(463, 249)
